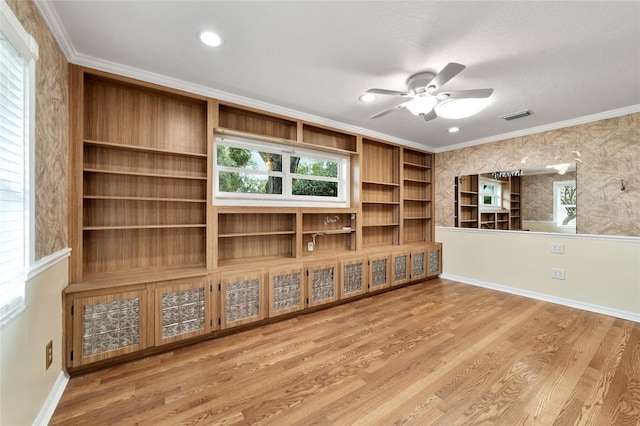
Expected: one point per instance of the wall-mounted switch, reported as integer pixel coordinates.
(557, 248)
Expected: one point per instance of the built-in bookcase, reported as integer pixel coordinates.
(144, 178)
(380, 194)
(416, 196)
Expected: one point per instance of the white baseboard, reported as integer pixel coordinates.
(50, 404)
(546, 298)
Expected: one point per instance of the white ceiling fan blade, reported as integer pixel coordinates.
(448, 72)
(388, 92)
(388, 111)
(430, 115)
(460, 94)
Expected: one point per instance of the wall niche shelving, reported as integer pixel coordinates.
(151, 246)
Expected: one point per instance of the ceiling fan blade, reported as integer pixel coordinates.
(475, 93)
(388, 111)
(388, 92)
(430, 115)
(448, 72)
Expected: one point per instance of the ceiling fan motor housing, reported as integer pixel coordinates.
(417, 83)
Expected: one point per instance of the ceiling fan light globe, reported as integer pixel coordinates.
(421, 105)
(460, 108)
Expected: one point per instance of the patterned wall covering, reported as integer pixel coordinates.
(417, 260)
(322, 284)
(183, 312)
(242, 300)
(610, 152)
(52, 106)
(111, 325)
(539, 191)
(378, 272)
(400, 268)
(286, 291)
(352, 274)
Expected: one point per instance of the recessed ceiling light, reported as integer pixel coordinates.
(453, 129)
(210, 39)
(367, 97)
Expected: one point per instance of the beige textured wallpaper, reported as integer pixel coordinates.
(610, 152)
(52, 106)
(539, 191)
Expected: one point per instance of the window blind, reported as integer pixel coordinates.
(13, 177)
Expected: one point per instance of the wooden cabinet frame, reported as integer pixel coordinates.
(183, 310)
(353, 277)
(322, 282)
(419, 264)
(286, 290)
(379, 271)
(241, 298)
(400, 267)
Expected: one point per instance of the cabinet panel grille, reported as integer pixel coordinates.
(242, 300)
(352, 278)
(323, 284)
(379, 272)
(418, 264)
(183, 312)
(434, 261)
(286, 291)
(110, 325)
(400, 268)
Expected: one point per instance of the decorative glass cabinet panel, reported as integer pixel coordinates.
(109, 325)
(418, 264)
(353, 277)
(183, 310)
(435, 260)
(241, 298)
(286, 290)
(379, 271)
(322, 283)
(400, 268)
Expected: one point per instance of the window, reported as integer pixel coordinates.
(260, 173)
(490, 194)
(18, 52)
(564, 203)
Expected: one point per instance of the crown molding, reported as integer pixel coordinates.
(545, 128)
(52, 20)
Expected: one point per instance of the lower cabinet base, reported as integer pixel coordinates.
(107, 325)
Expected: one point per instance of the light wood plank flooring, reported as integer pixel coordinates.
(435, 353)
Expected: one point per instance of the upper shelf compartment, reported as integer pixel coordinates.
(122, 115)
(325, 137)
(258, 123)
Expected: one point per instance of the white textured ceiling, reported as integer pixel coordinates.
(567, 62)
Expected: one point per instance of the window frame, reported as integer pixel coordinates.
(287, 198)
(27, 47)
(497, 195)
(557, 205)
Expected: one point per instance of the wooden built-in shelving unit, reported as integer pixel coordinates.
(152, 250)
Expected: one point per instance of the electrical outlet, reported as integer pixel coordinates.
(49, 354)
(310, 246)
(557, 273)
(557, 248)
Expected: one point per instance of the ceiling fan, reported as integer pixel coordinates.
(427, 101)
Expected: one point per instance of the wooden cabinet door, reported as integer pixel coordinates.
(322, 283)
(400, 267)
(353, 277)
(241, 298)
(109, 325)
(286, 290)
(418, 264)
(182, 309)
(379, 271)
(434, 259)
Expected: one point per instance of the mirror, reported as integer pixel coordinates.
(540, 200)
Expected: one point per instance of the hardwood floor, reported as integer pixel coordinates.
(435, 353)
